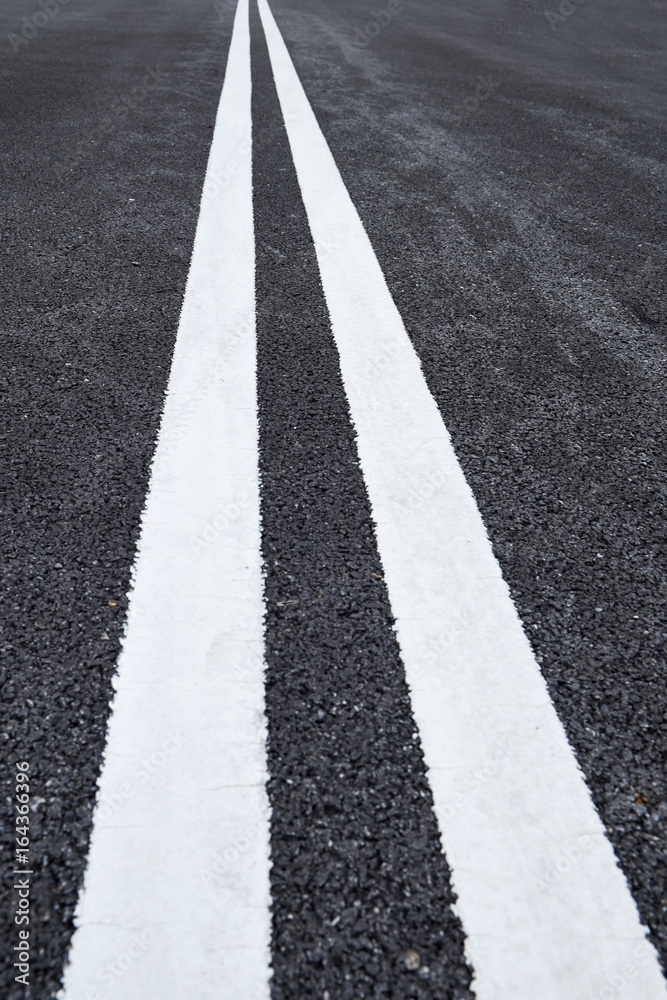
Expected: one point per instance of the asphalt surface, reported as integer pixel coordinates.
(509, 169)
(358, 877)
(99, 208)
(522, 236)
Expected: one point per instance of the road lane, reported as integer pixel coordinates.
(359, 879)
(192, 662)
(485, 690)
(100, 199)
(521, 232)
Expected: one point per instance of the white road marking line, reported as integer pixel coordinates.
(510, 798)
(176, 897)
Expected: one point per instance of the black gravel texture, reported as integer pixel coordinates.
(512, 178)
(510, 171)
(99, 205)
(360, 884)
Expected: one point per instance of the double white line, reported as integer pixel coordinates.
(184, 857)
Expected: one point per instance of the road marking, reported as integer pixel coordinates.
(176, 898)
(510, 799)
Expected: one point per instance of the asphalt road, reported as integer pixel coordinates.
(509, 169)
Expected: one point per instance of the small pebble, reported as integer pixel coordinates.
(411, 959)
